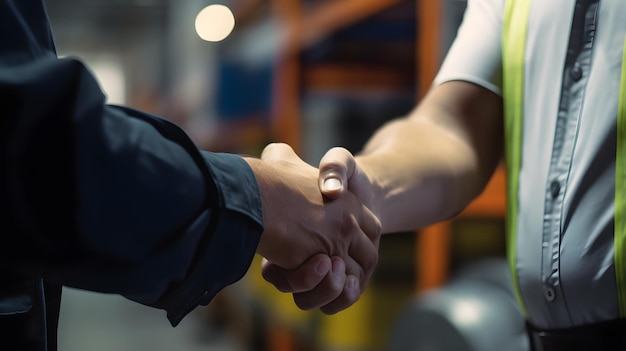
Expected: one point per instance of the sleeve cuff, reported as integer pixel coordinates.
(223, 262)
(237, 183)
(236, 230)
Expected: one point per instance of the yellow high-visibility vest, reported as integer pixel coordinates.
(513, 62)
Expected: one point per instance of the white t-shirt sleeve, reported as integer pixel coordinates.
(476, 53)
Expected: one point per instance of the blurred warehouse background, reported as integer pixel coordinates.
(314, 74)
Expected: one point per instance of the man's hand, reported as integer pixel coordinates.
(340, 173)
(300, 223)
(423, 168)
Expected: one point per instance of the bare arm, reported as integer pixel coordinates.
(428, 166)
(414, 171)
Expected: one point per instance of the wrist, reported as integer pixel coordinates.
(374, 194)
(262, 173)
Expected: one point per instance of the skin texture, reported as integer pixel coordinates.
(419, 169)
(341, 236)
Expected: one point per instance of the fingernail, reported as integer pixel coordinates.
(323, 267)
(332, 184)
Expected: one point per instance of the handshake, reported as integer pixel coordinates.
(321, 235)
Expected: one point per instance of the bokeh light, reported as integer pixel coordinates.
(215, 22)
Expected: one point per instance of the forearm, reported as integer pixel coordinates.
(419, 179)
(427, 167)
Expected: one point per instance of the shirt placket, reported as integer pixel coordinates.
(575, 76)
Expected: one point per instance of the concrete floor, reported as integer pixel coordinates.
(100, 322)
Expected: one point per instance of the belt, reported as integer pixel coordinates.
(605, 336)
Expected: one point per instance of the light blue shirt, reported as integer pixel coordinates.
(566, 196)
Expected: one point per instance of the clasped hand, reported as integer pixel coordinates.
(321, 240)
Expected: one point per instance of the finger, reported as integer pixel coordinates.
(335, 169)
(357, 280)
(327, 291)
(369, 223)
(350, 294)
(362, 260)
(275, 275)
(304, 278)
(360, 266)
(361, 249)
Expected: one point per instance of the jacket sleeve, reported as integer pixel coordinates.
(115, 200)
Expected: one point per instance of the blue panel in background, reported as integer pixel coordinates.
(243, 91)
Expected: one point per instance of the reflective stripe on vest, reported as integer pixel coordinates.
(619, 248)
(513, 56)
(514, 51)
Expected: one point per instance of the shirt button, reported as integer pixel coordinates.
(549, 294)
(555, 188)
(576, 72)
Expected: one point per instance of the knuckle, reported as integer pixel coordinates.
(271, 147)
(347, 225)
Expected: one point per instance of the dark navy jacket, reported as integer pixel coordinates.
(104, 198)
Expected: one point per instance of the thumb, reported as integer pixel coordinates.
(335, 169)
